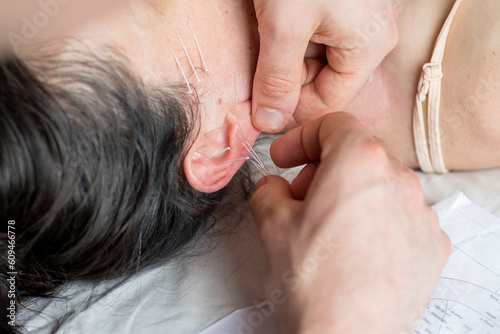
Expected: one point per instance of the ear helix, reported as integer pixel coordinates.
(227, 161)
(257, 162)
(235, 160)
(218, 153)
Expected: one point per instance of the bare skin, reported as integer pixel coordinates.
(470, 98)
(144, 31)
(353, 165)
(228, 35)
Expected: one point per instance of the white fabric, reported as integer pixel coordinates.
(193, 292)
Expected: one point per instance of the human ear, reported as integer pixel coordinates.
(217, 155)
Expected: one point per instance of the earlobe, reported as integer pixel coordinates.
(209, 175)
(216, 156)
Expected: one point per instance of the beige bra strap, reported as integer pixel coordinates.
(429, 88)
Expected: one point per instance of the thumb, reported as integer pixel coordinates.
(278, 77)
(273, 205)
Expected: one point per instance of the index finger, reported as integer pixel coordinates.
(308, 142)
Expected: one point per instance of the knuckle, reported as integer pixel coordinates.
(366, 158)
(434, 219)
(277, 83)
(276, 28)
(413, 184)
(374, 153)
(396, 9)
(446, 247)
(272, 220)
(268, 211)
(393, 35)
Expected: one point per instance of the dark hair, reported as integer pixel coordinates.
(90, 172)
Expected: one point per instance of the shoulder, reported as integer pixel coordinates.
(470, 99)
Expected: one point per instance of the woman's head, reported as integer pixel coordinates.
(152, 33)
(89, 170)
(100, 160)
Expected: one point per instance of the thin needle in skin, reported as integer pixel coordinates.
(180, 67)
(247, 158)
(198, 45)
(187, 55)
(264, 173)
(258, 162)
(218, 153)
(245, 143)
(255, 156)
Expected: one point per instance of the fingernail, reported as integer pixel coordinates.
(267, 118)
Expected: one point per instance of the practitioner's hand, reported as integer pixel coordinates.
(358, 35)
(350, 243)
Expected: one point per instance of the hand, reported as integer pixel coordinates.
(358, 35)
(350, 243)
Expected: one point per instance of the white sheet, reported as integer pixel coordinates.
(467, 298)
(191, 293)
